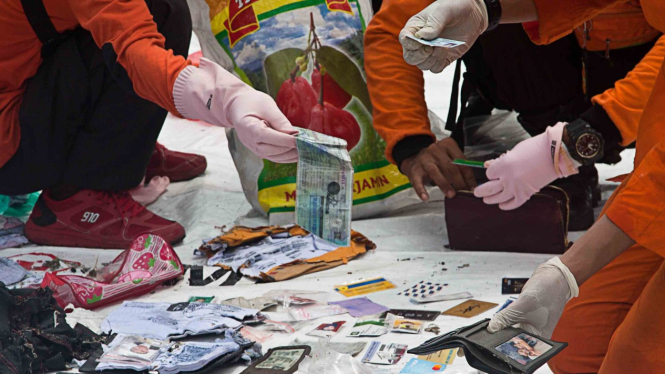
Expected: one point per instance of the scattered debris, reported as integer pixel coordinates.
(436, 330)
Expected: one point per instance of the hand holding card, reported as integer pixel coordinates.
(438, 42)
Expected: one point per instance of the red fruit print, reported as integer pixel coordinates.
(139, 243)
(295, 99)
(166, 254)
(89, 291)
(145, 262)
(332, 92)
(335, 122)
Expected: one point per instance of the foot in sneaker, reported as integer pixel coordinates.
(178, 166)
(95, 219)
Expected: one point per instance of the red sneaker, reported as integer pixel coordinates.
(95, 219)
(177, 166)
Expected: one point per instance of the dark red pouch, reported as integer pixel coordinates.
(538, 226)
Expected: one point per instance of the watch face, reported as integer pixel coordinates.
(588, 145)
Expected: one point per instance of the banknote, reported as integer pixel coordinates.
(324, 189)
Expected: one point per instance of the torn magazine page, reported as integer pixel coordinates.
(259, 258)
(163, 320)
(324, 189)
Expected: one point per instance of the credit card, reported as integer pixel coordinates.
(510, 286)
(438, 42)
(364, 287)
(473, 164)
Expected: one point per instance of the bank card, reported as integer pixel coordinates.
(446, 356)
(438, 42)
(364, 287)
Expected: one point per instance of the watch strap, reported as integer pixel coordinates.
(563, 166)
(493, 14)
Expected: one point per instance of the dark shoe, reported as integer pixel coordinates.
(95, 219)
(584, 194)
(178, 166)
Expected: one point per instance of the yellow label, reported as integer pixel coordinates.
(366, 184)
(445, 357)
(364, 287)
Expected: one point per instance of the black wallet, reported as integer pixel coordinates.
(509, 351)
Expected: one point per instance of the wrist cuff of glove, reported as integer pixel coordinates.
(570, 278)
(410, 146)
(493, 14)
(564, 165)
(180, 94)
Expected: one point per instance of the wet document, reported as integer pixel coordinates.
(324, 191)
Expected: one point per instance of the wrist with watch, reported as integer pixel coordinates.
(584, 144)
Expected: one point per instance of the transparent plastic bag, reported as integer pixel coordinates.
(488, 137)
(325, 360)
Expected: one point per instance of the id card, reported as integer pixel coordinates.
(438, 42)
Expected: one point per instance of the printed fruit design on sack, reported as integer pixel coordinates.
(329, 120)
(319, 106)
(333, 93)
(88, 290)
(295, 99)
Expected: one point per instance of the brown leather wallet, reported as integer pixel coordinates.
(538, 226)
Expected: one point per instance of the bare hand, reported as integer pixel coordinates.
(435, 164)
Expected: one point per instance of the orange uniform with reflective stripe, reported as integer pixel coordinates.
(617, 324)
(126, 25)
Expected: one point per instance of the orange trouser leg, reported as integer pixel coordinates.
(638, 346)
(589, 321)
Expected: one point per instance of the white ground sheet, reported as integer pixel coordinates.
(216, 199)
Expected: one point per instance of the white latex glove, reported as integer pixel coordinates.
(540, 305)
(462, 20)
(521, 172)
(212, 94)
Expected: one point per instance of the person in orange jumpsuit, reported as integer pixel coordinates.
(603, 296)
(85, 87)
(504, 70)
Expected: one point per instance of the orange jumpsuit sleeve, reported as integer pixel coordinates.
(132, 47)
(557, 19)
(639, 208)
(626, 101)
(397, 89)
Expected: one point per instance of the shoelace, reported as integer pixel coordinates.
(123, 201)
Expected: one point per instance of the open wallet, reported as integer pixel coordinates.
(538, 226)
(509, 351)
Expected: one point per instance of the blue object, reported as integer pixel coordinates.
(4, 204)
(416, 366)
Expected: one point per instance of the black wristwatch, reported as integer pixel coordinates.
(586, 144)
(493, 14)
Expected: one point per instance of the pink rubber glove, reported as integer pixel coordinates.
(531, 165)
(214, 95)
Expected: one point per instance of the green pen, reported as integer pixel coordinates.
(473, 164)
